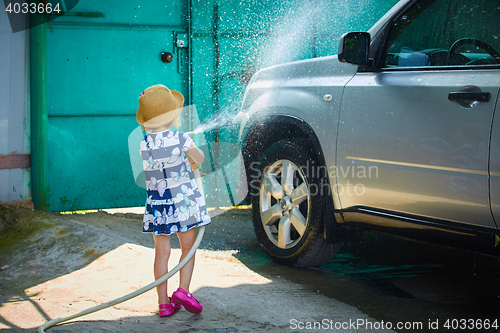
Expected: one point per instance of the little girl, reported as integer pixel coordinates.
(174, 203)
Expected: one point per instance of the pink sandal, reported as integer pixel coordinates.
(187, 300)
(167, 310)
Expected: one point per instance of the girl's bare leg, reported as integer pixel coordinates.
(186, 239)
(162, 254)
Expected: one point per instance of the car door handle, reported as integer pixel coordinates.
(469, 96)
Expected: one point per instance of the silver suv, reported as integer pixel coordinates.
(396, 133)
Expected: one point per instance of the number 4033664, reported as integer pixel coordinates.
(471, 324)
(32, 8)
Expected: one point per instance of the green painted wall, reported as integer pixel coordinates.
(96, 67)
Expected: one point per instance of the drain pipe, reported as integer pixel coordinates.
(141, 291)
(39, 118)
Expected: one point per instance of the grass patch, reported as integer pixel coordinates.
(17, 223)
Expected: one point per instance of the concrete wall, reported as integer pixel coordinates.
(14, 114)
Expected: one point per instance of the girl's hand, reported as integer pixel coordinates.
(195, 154)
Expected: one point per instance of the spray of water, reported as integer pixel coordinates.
(292, 35)
(288, 39)
(226, 117)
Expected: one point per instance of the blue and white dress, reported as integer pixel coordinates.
(174, 202)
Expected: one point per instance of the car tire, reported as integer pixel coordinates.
(287, 207)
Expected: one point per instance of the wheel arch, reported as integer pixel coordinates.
(260, 132)
(277, 125)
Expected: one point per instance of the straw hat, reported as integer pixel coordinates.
(159, 106)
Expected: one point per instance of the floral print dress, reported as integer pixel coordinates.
(174, 203)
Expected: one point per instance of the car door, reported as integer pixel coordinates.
(495, 164)
(414, 134)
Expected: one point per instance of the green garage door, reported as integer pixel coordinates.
(98, 62)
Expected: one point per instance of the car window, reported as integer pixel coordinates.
(443, 33)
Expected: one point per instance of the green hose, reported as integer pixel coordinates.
(141, 291)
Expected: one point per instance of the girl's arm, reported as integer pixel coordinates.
(196, 154)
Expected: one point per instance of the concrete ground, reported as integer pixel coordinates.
(54, 265)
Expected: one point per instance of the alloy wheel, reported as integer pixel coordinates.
(284, 203)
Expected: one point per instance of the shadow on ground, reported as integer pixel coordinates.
(383, 277)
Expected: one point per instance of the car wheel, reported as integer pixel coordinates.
(287, 207)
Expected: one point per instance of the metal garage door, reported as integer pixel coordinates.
(98, 62)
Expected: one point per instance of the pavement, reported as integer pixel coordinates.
(54, 265)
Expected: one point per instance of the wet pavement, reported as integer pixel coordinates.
(380, 281)
(398, 280)
(411, 281)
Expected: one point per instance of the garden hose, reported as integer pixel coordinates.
(136, 293)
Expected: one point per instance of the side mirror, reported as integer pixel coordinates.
(354, 48)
